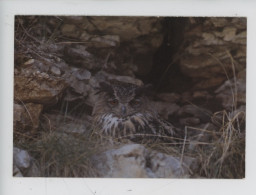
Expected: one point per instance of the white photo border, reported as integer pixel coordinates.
(83, 186)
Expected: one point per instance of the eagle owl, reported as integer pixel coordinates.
(124, 110)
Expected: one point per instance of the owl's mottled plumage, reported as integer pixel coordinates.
(123, 109)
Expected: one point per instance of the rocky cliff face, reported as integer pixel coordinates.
(198, 70)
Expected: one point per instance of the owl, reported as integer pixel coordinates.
(124, 110)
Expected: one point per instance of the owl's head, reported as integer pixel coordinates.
(121, 99)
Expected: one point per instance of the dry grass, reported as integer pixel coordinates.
(69, 155)
(225, 156)
(62, 155)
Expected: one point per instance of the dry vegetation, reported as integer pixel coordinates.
(69, 155)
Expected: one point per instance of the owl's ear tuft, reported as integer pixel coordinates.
(105, 87)
(144, 90)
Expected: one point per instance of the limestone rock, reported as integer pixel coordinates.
(134, 160)
(195, 111)
(26, 117)
(105, 41)
(70, 30)
(23, 164)
(208, 66)
(132, 41)
(21, 158)
(212, 46)
(189, 121)
(165, 109)
(201, 94)
(169, 97)
(16, 171)
(127, 27)
(38, 88)
(55, 70)
(209, 83)
(82, 74)
(79, 56)
(33, 170)
(232, 93)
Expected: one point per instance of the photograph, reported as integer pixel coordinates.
(129, 96)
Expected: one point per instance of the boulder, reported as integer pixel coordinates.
(232, 93)
(26, 116)
(21, 158)
(214, 46)
(136, 161)
(38, 88)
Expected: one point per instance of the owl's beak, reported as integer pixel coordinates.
(123, 110)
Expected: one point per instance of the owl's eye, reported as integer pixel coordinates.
(135, 102)
(113, 102)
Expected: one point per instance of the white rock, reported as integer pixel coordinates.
(21, 158)
(134, 160)
(55, 70)
(16, 172)
(30, 61)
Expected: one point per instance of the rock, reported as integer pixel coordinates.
(202, 65)
(189, 121)
(133, 41)
(23, 164)
(218, 21)
(209, 83)
(105, 41)
(212, 45)
(34, 111)
(74, 19)
(74, 128)
(209, 39)
(127, 27)
(78, 79)
(125, 79)
(127, 161)
(80, 57)
(82, 74)
(40, 67)
(55, 70)
(16, 171)
(194, 111)
(80, 87)
(229, 33)
(201, 94)
(104, 76)
(18, 112)
(166, 109)
(70, 30)
(134, 160)
(186, 96)
(201, 133)
(232, 93)
(169, 97)
(33, 170)
(30, 61)
(38, 88)
(240, 38)
(166, 166)
(26, 117)
(21, 158)
(239, 22)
